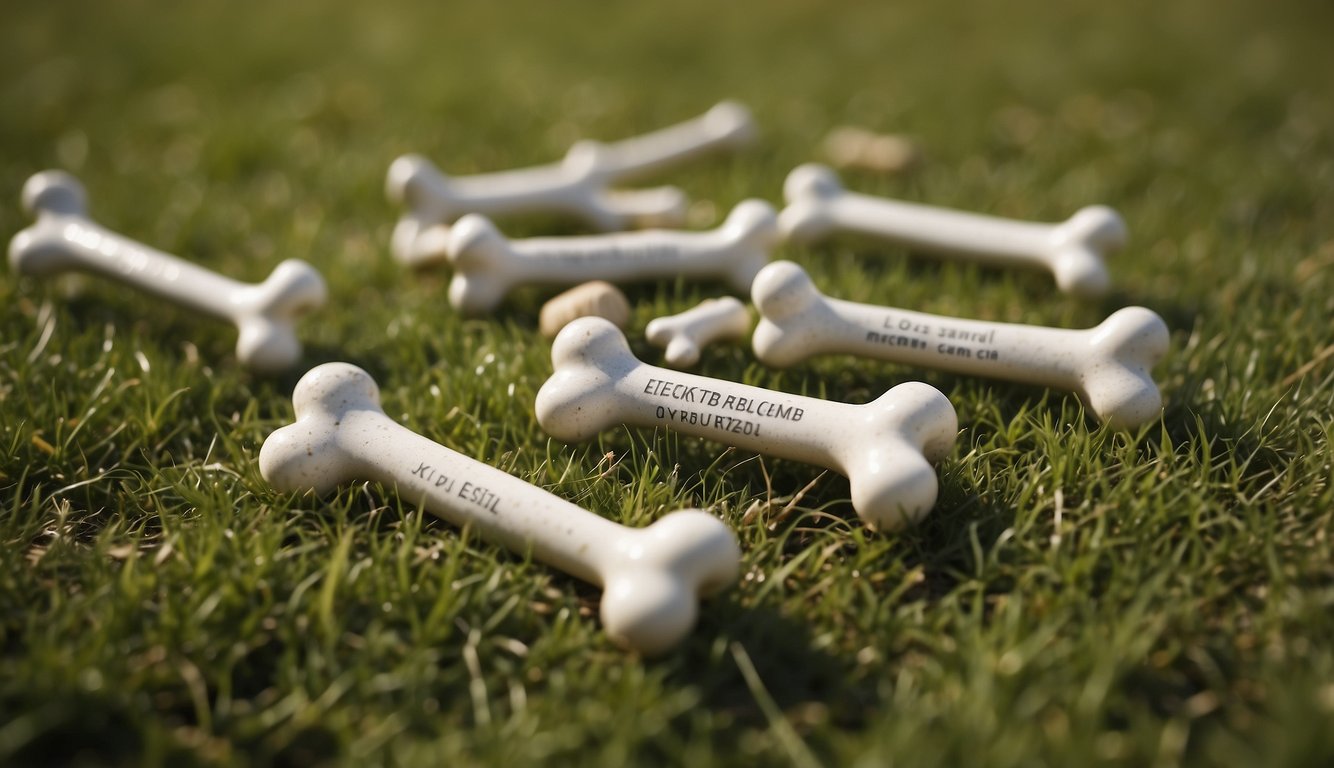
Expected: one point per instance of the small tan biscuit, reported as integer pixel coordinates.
(851, 147)
(596, 298)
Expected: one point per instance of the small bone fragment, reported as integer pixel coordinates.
(683, 335)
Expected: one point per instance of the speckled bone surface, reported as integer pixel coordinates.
(1109, 366)
(682, 336)
(64, 238)
(885, 448)
(652, 577)
(487, 265)
(1073, 250)
(578, 186)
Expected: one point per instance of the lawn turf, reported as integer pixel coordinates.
(1161, 596)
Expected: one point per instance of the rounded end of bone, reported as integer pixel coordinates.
(753, 229)
(430, 247)
(295, 459)
(753, 219)
(921, 415)
(293, 289)
(804, 221)
(268, 342)
(681, 352)
(1097, 227)
(1118, 385)
(897, 489)
(580, 399)
(732, 122)
(401, 183)
(590, 341)
(1124, 400)
(54, 192)
(791, 313)
(893, 483)
(475, 295)
(415, 243)
(305, 456)
(811, 180)
(335, 389)
(476, 250)
(1081, 272)
(924, 416)
(1081, 244)
(404, 237)
(265, 346)
(1134, 334)
(471, 240)
(651, 598)
(648, 613)
(782, 290)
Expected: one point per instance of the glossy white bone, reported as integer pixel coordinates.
(651, 577)
(578, 186)
(683, 335)
(487, 265)
(63, 239)
(1072, 251)
(885, 447)
(1109, 366)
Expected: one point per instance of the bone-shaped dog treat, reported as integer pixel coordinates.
(683, 335)
(1073, 250)
(651, 577)
(578, 186)
(487, 265)
(885, 448)
(64, 238)
(1108, 366)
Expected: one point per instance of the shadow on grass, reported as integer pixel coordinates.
(69, 728)
(787, 669)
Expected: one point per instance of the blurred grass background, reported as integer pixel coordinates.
(1078, 596)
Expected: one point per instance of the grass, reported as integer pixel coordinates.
(1162, 596)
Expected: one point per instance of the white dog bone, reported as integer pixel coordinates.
(433, 200)
(726, 125)
(684, 335)
(487, 266)
(1109, 366)
(578, 186)
(64, 238)
(1073, 250)
(652, 577)
(885, 448)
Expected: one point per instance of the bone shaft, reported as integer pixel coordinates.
(500, 507)
(101, 251)
(773, 423)
(1022, 353)
(509, 192)
(630, 257)
(656, 151)
(941, 230)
